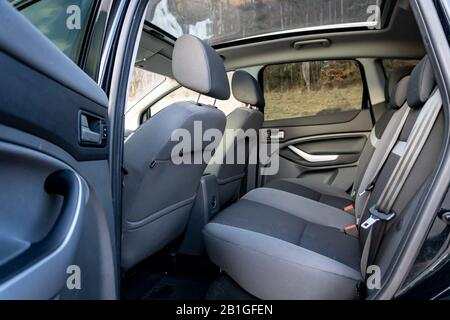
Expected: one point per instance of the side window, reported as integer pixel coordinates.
(312, 88)
(391, 64)
(64, 22)
(142, 83)
(180, 94)
(183, 94)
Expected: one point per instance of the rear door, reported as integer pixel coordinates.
(318, 112)
(56, 216)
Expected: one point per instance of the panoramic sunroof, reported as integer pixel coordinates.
(220, 21)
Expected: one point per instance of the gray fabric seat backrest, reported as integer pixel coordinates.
(230, 162)
(420, 87)
(159, 189)
(395, 95)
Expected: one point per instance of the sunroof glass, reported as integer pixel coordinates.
(220, 21)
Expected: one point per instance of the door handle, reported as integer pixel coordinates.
(89, 136)
(312, 157)
(93, 130)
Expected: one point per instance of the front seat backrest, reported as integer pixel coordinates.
(158, 193)
(229, 171)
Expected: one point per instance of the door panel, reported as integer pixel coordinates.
(315, 149)
(41, 220)
(55, 192)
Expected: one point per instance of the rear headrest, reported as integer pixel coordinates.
(394, 78)
(197, 66)
(421, 84)
(247, 90)
(399, 93)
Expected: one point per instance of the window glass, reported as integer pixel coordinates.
(64, 22)
(391, 64)
(180, 94)
(219, 21)
(142, 83)
(183, 94)
(312, 88)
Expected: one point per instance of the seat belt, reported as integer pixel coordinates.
(381, 212)
(392, 132)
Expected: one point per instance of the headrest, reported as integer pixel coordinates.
(394, 78)
(421, 84)
(247, 90)
(197, 66)
(399, 93)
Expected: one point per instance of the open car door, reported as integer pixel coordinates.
(56, 213)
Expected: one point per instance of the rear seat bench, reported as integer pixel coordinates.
(278, 245)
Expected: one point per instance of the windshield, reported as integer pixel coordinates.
(220, 21)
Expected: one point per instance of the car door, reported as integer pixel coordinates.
(319, 114)
(56, 213)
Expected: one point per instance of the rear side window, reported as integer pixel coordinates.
(64, 22)
(391, 64)
(312, 88)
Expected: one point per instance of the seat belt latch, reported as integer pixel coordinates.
(375, 216)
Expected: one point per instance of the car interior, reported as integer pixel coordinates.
(263, 152)
(308, 231)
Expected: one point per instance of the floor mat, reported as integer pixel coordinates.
(177, 288)
(166, 278)
(224, 288)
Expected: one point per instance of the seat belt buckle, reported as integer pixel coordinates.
(375, 216)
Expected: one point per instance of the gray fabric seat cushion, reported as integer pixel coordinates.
(321, 192)
(230, 175)
(239, 142)
(277, 245)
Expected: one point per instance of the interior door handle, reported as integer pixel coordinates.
(93, 130)
(312, 157)
(89, 136)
